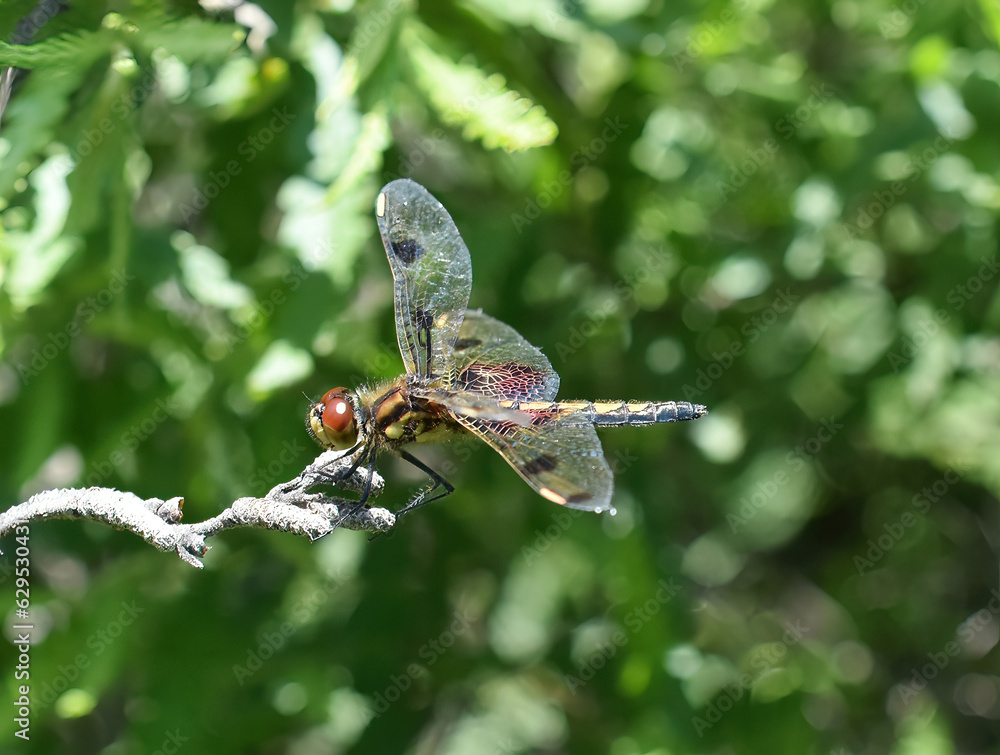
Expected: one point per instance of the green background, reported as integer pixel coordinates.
(785, 211)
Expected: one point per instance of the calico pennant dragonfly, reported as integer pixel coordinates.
(467, 373)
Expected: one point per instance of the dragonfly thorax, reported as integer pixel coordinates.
(399, 417)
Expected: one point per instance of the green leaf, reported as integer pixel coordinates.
(37, 255)
(366, 157)
(190, 39)
(281, 366)
(32, 118)
(376, 29)
(481, 104)
(68, 51)
(207, 276)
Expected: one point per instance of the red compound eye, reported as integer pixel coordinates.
(331, 420)
(337, 412)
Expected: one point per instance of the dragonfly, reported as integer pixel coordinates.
(469, 374)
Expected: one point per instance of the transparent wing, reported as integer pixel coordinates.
(557, 453)
(432, 274)
(491, 363)
(472, 405)
(559, 456)
(492, 359)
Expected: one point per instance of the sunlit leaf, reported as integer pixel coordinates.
(481, 104)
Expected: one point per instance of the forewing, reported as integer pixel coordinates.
(432, 274)
(561, 458)
(492, 359)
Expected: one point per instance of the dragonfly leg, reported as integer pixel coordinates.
(340, 474)
(369, 461)
(425, 495)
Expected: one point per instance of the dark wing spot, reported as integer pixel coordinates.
(466, 343)
(407, 250)
(579, 498)
(539, 464)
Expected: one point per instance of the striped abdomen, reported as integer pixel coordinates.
(613, 413)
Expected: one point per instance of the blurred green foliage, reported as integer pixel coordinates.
(786, 211)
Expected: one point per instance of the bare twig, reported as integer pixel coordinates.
(288, 507)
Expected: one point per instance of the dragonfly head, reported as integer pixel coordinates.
(331, 420)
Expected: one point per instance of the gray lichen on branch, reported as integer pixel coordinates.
(287, 507)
